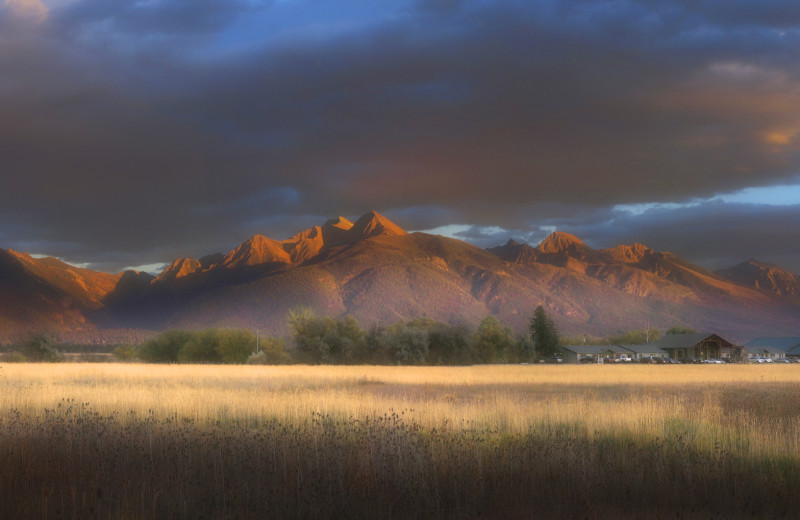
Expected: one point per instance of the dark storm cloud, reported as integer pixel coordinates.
(133, 132)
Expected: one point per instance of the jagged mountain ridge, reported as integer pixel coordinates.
(375, 271)
(304, 246)
(635, 268)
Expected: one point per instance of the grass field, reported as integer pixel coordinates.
(140, 441)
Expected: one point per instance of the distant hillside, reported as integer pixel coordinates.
(373, 270)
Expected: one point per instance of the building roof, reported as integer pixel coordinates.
(596, 349)
(615, 349)
(785, 344)
(765, 349)
(644, 349)
(673, 341)
(584, 349)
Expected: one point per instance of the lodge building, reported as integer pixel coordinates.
(699, 346)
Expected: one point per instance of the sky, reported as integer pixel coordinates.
(134, 132)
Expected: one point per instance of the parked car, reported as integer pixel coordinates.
(554, 359)
(781, 360)
(713, 361)
(670, 361)
(624, 358)
(588, 360)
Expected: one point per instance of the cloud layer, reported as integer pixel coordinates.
(133, 132)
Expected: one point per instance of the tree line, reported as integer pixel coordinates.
(328, 340)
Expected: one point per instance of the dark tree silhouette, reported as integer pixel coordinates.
(544, 333)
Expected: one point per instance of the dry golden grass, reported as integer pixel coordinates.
(665, 426)
(511, 397)
(729, 401)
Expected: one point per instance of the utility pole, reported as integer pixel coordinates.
(256, 340)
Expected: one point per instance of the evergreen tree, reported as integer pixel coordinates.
(544, 334)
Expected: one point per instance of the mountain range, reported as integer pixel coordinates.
(375, 271)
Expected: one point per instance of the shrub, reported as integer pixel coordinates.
(235, 346)
(201, 348)
(408, 345)
(492, 342)
(165, 347)
(522, 351)
(272, 351)
(449, 344)
(326, 340)
(126, 352)
(40, 348)
(376, 347)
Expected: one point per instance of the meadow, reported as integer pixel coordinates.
(496, 441)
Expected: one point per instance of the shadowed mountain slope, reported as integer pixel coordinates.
(515, 252)
(768, 277)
